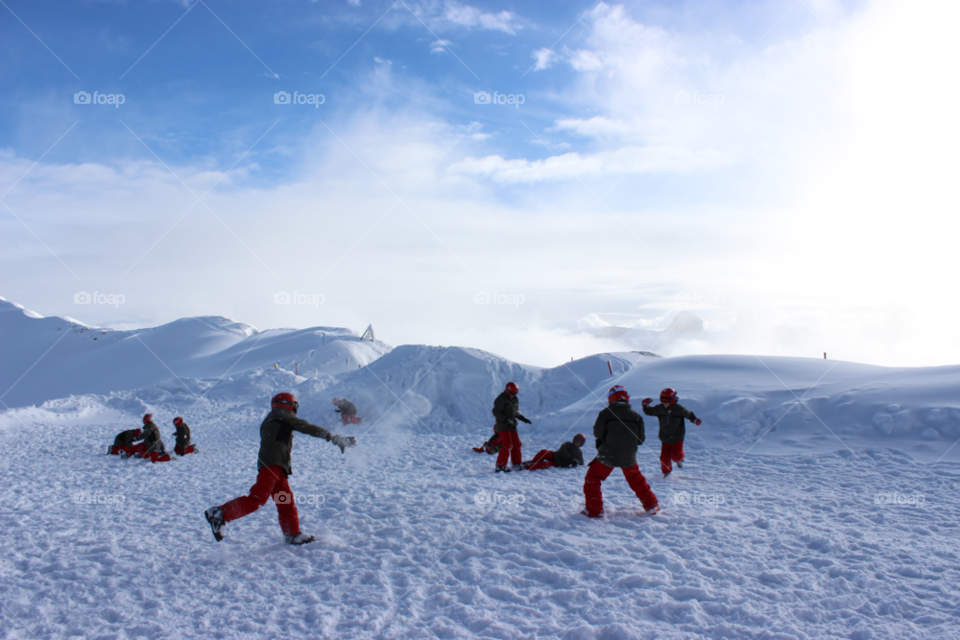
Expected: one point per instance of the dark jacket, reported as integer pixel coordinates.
(152, 440)
(127, 438)
(568, 455)
(276, 438)
(619, 431)
(346, 407)
(672, 425)
(506, 408)
(183, 436)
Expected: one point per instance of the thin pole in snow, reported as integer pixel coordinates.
(296, 368)
(609, 367)
(824, 355)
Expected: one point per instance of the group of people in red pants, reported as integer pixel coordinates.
(148, 444)
(618, 430)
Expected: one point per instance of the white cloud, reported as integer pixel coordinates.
(573, 166)
(439, 46)
(545, 58)
(467, 16)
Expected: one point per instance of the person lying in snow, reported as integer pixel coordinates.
(347, 411)
(152, 442)
(183, 446)
(672, 428)
(506, 409)
(123, 444)
(273, 468)
(619, 431)
(490, 446)
(568, 455)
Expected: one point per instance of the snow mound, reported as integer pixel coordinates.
(55, 357)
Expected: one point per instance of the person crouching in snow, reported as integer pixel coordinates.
(619, 431)
(152, 442)
(491, 446)
(672, 428)
(183, 446)
(347, 411)
(123, 444)
(506, 409)
(568, 455)
(273, 468)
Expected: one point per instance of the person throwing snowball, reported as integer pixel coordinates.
(273, 465)
(619, 431)
(672, 428)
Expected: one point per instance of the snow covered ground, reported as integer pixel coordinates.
(820, 499)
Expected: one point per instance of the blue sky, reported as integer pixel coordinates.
(662, 152)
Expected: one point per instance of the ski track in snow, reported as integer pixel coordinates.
(418, 538)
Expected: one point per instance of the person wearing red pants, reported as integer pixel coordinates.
(672, 428)
(273, 468)
(619, 431)
(568, 455)
(506, 409)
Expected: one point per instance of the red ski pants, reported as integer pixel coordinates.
(598, 472)
(349, 418)
(543, 460)
(672, 452)
(271, 482)
(509, 447)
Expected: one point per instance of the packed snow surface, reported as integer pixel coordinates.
(819, 499)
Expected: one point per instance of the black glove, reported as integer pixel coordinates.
(599, 442)
(523, 419)
(336, 410)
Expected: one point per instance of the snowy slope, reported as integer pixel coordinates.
(62, 356)
(819, 499)
(792, 405)
(419, 539)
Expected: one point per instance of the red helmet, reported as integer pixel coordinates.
(285, 401)
(148, 418)
(579, 439)
(668, 397)
(177, 421)
(512, 388)
(618, 394)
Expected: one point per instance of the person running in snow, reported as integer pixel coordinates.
(152, 442)
(568, 455)
(183, 446)
(506, 409)
(347, 411)
(273, 468)
(491, 446)
(619, 431)
(123, 444)
(672, 428)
